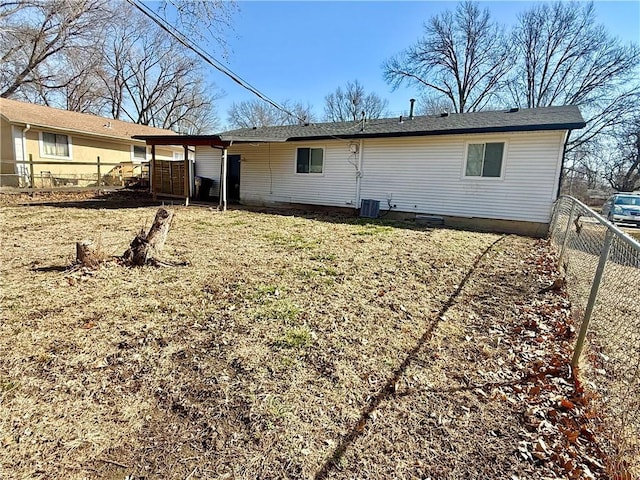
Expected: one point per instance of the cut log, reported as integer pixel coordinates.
(87, 254)
(143, 247)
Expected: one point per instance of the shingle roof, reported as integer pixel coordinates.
(41, 116)
(547, 118)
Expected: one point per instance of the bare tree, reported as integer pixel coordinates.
(84, 91)
(463, 56)
(565, 58)
(206, 20)
(39, 35)
(622, 169)
(350, 104)
(105, 57)
(258, 113)
(429, 104)
(189, 107)
(162, 85)
(583, 170)
(143, 75)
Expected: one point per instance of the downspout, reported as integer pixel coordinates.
(359, 174)
(564, 153)
(24, 155)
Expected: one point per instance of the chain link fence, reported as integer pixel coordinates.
(602, 266)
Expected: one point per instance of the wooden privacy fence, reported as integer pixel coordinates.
(169, 178)
(47, 175)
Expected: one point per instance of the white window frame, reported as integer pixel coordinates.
(309, 174)
(484, 141)
(135, 159)
(181, 154)
(46, 155)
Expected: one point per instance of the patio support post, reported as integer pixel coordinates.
(223, 181)
(187, 176)
(152, 171)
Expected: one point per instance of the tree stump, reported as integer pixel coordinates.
(87, 254)
(142, 247)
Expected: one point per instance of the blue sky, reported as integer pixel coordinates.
(304, 50)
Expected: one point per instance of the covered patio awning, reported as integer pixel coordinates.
(187, 141)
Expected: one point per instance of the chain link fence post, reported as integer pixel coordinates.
(566, 234)
(593, 295)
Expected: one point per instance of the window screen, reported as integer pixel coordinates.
(474, 159)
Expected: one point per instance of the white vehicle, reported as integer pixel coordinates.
(623, 207)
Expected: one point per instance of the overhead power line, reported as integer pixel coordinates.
(180, 37)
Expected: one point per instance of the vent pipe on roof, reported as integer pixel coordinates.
(412, 101)
(444, 114)
(400, 121)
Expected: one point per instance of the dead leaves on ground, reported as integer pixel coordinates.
(555, 428)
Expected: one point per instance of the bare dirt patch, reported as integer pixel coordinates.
(290, 347)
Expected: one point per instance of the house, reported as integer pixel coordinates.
(64, 146)
(493, 170)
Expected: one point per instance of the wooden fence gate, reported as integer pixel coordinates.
(168, 178)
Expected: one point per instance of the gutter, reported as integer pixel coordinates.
(429, 133)
(81, 133)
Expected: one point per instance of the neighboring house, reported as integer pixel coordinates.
(59, 142)
(497, 170)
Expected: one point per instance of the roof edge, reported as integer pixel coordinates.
(426, 133)
(211, 140)
(71, 130)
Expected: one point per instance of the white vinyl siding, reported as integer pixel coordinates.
(208, 163)
(269, 174)
(414, 174)
(426, 175)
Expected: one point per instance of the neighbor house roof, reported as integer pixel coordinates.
(511, 120)
(23, 113)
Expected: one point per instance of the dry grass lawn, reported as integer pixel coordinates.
(291, 346)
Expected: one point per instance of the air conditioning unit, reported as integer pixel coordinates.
(370, 208)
